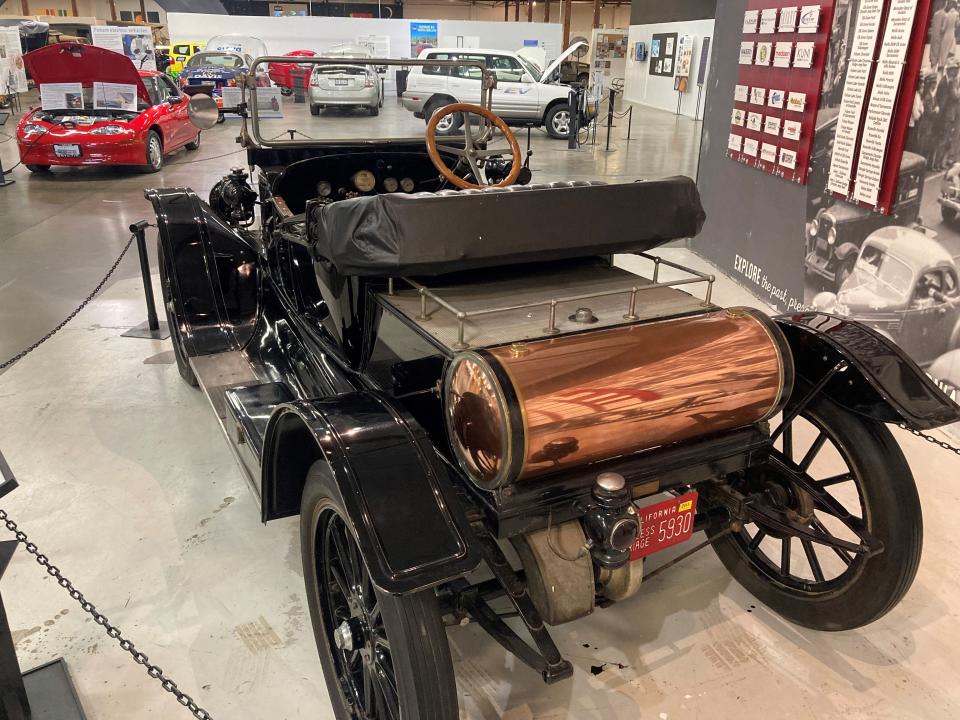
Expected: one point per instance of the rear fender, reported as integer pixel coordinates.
(214, 277)
(881, 382)
(399, 496)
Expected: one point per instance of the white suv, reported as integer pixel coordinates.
(525, 92)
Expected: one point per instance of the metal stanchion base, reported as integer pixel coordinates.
(51, 693)
(143, 331)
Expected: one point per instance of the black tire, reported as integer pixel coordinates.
(948, 214)
(557, 121)
(179, 350)
(195, 144)
(456, 120)
(866, 588)
(374, 110)
(418, 655)
(286, 92)
(38, 168)
(221, 119)
(154, 153)
(314, 109)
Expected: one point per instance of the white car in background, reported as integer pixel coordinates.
(349, 85)
(526, 93)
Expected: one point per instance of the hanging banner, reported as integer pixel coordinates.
(13, 76)
(704, 57)
(423, 35)
(136, 42)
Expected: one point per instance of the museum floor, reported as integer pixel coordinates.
(128, 486)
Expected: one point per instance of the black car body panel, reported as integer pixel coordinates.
(882, 382)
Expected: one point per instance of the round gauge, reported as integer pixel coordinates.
(407, 184)
(364, 180)
(390, 184)
(324, 188)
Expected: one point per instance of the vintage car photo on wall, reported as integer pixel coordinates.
(501, 423)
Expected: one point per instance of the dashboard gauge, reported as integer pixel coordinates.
(364, 180)
(390, 184)
(324, 188)
(407, 184)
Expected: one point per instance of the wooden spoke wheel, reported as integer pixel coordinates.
(477, 149)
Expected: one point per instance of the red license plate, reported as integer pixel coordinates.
(667, 523)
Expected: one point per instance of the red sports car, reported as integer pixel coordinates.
(98, 109)
(282, 74)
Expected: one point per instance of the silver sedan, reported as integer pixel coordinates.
(344, 86)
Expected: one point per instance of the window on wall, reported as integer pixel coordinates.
(153, 17)
(126, 15)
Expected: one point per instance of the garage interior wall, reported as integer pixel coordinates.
(654, 90)
(283, 34)
(87, 8)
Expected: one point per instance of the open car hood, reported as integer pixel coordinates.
(563, 56)
(76, 63)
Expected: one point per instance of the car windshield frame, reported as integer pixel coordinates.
(253, 138)
(864, 276)
(223, 53)
(536, 72)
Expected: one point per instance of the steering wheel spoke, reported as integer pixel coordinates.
(475, 150)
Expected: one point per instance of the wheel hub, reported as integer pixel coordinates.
(781, 492)
(349, 635)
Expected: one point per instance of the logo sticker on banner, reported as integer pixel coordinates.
(746, 53)
(754, 121)
(735, 142)
(791, 129)
(741, 93)
(750, 20)
(776, 99)
(796, 101)
(764, 51)
(758, 96)
(768, 21)
(738, 117)
(803, 55)
(788, 20)
(788, 158)
(768, 152)
(771, 125)
(809, 19)
(782, 54)
(750, 147)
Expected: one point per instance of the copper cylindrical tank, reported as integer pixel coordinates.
(518, 411)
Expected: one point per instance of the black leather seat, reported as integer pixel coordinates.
(448, 231)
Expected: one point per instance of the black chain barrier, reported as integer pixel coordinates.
(930, 438)
(23, 353)
(112, 630)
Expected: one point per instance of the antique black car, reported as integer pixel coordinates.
(836, 232)
(430, 371)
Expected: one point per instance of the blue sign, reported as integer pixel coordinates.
(423, 35)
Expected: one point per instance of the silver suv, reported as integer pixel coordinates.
(525, 93)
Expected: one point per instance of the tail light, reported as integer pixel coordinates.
(231, 82)
(370, 82)
(315, 81)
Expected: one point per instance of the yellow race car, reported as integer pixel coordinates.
(180, 52)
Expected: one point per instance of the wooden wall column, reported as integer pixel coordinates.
(113, 10)
(506, 10)
(25, 7)
(596, 13)
(567, 9)
(516, 12)
(529, 10)
(74, 8)
(546, 11)
(143, 10)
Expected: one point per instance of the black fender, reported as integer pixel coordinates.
(845, 250)
(399, 495)
(882, 382)
(214, 277)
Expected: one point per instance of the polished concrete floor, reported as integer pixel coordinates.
(129, 487)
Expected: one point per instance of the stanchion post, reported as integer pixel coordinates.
(573, 100)
(610, 106)
(629, 121)
(152, 328)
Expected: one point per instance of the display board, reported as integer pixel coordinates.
(13, 77)
(704, 58)
(684, 60)
(135, 41)
(783, 51)
(877, 102)
(663, 54)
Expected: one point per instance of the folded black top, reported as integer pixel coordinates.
(436, 233)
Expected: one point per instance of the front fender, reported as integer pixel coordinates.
(881, 383)
(213, 273)
(399, 496)
(845, 250)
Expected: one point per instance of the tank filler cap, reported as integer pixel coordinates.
(583, 315)
(611, 481)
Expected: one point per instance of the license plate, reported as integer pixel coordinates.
(667, 523)
(66, 150)
(341, 81)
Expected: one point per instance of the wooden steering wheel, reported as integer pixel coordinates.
(476, 148)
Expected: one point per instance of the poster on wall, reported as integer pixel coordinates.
(136, 42)
(666, 50)
(61, 96)
(785, 69)
(13, 76)
(684, 61)
(378, 45)
(423, 35)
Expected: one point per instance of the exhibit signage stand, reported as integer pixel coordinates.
(46, 692)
